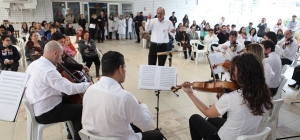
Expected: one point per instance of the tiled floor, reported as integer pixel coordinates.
(174, 111)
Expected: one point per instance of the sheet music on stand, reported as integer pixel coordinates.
(157, 77)
(11, 93)
(215, 59)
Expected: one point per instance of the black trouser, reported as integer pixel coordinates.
(286, 61)
(148, 135)
(90, 60)
(208, 130)
(110, 35)
(185, 53)
(296, 75)
(137, 30)
(102, 34)
(65, 111)
(153, 50)
(92, 33)
(13, 67)
(273, 91)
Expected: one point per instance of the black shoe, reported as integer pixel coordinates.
(137, 41)
(293, 85)
(69, 136)
(192, 58)
(98, 41)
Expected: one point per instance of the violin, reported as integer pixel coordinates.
(73, 76)
(226, 64)
(210, 86)
(288, 42)
(233, 45)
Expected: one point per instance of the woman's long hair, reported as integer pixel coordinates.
(256, 49)
(71, 44)
(251, 79)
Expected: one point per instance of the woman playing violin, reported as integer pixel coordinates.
(245, 106)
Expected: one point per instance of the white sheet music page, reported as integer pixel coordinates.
(215, 59)
(156, 77)
(147, 77)
(11, 92)
(166, 77)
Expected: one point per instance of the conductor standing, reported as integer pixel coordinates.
(159, 27)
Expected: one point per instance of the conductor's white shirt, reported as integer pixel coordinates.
(45, 85)
(159, 30)
(108, 110)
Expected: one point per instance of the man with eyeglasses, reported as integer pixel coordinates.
(160, 27)
(9, 56)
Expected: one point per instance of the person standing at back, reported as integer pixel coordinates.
(261, 27)
(173, 19)
(138, 23)
(292, 25)
(160, 27)
(101, 23)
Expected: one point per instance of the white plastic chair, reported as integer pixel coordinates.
(21, 61)
(271, 119)
(282, 82)
(178, 47)
(84, 135)
(284, 68)
(294, 64)
(143, 42)
(34, 129)
(194, 44)
(260, 136)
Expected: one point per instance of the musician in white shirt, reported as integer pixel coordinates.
(292, 25)
(272, 36)
(45, 86)
(232, 47)
(274, 60)
(109, 110)
(289, 48)
(160, 27)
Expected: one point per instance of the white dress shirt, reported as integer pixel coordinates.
(159, 30)
(252, 38)
(290, 50)
(277, 50)
(292, 23)
(228, 53)
(275, 63)
(45, 85)
(208, 40)
(108, 110)
(269, 74)
(240, 120)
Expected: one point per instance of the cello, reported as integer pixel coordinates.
(73, 76)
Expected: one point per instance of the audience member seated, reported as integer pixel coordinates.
(204, 32)
(39, 29)
(249, 27)
(223, 36)
(272, 36)
(216, 29)
(259, 52)
(289, 48)
(144, 34)
(131, 118)
(43, 24)
(34, 47)
(211, 40)
(252, 37)
(274, 60)
(279, 34)
(278, 26)
(233, 27)
(24, 30)
(13, 39)
(32, 29)
(244, 111)
(196, 26)
(46, 29)
(59, 27)
(186, 27)
(177, 29)
(88, 50)
(193, 35)
(52, 29)
(9, 57)
(69, 31)
(69, 47)
(228, 29)
(33, 24)
(8, 26)
(78, 33)
(202, 25)
(296, 77)
(183, 38)
(242, 37)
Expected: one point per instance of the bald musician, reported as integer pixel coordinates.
(44, 89)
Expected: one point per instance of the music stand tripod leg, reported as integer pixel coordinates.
(170, 65)
(157, 111)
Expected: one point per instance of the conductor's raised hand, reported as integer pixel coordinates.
(172, 30)
(187, 89)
